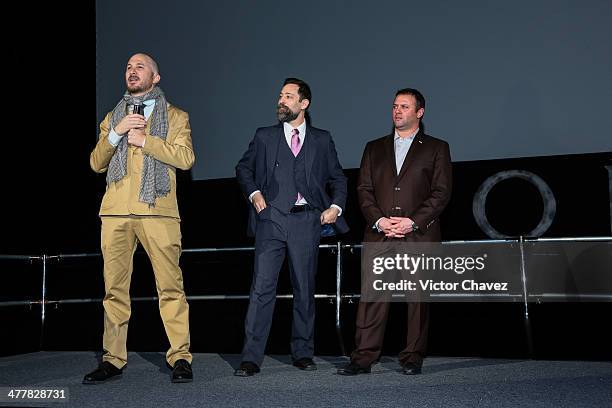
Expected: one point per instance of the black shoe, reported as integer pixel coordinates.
(305, 364)
(182, 373)
(246, 369)
(354, 369)
(103, 373)
(411, 369)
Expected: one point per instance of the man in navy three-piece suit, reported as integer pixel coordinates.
(293, 179)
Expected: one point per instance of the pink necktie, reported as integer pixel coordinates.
(295, 148)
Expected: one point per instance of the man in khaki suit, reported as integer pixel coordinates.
(141, 144)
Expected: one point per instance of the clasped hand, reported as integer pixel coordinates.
(395, 227)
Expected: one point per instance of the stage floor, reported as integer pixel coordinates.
(445, 382)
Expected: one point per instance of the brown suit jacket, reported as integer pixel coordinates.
(121, 198)
(421, 190)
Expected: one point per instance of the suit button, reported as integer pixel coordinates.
(397, 189)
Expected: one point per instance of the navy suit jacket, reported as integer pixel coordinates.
(324, 175)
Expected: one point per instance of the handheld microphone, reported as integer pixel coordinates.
(138, 109)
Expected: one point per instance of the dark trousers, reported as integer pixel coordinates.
(277, 235)
(371, 323)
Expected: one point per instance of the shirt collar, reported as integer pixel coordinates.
(397, 136)
(301, 128)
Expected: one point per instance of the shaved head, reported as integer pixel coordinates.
(141, 74)
(150, 60)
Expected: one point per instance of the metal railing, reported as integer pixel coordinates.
(337, 298)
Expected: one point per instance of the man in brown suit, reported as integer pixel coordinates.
(404, 184)
(142, 142)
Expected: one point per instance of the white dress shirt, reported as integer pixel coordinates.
(401, 145)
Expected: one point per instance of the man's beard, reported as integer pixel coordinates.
(284, 114)
(140, 88)
(137, 89)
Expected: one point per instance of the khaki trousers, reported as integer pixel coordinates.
(161, 239)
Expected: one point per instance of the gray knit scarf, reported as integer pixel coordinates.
(155, 179)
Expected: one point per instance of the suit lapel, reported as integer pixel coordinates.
(390, 152)
(272, 151)
(415, 149)
(309, 151)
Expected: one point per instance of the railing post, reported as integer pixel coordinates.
(525, 298)
(339, 295)
(43, 300)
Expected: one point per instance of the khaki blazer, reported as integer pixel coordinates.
(121, 198)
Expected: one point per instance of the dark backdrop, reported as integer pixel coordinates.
(501, 79)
